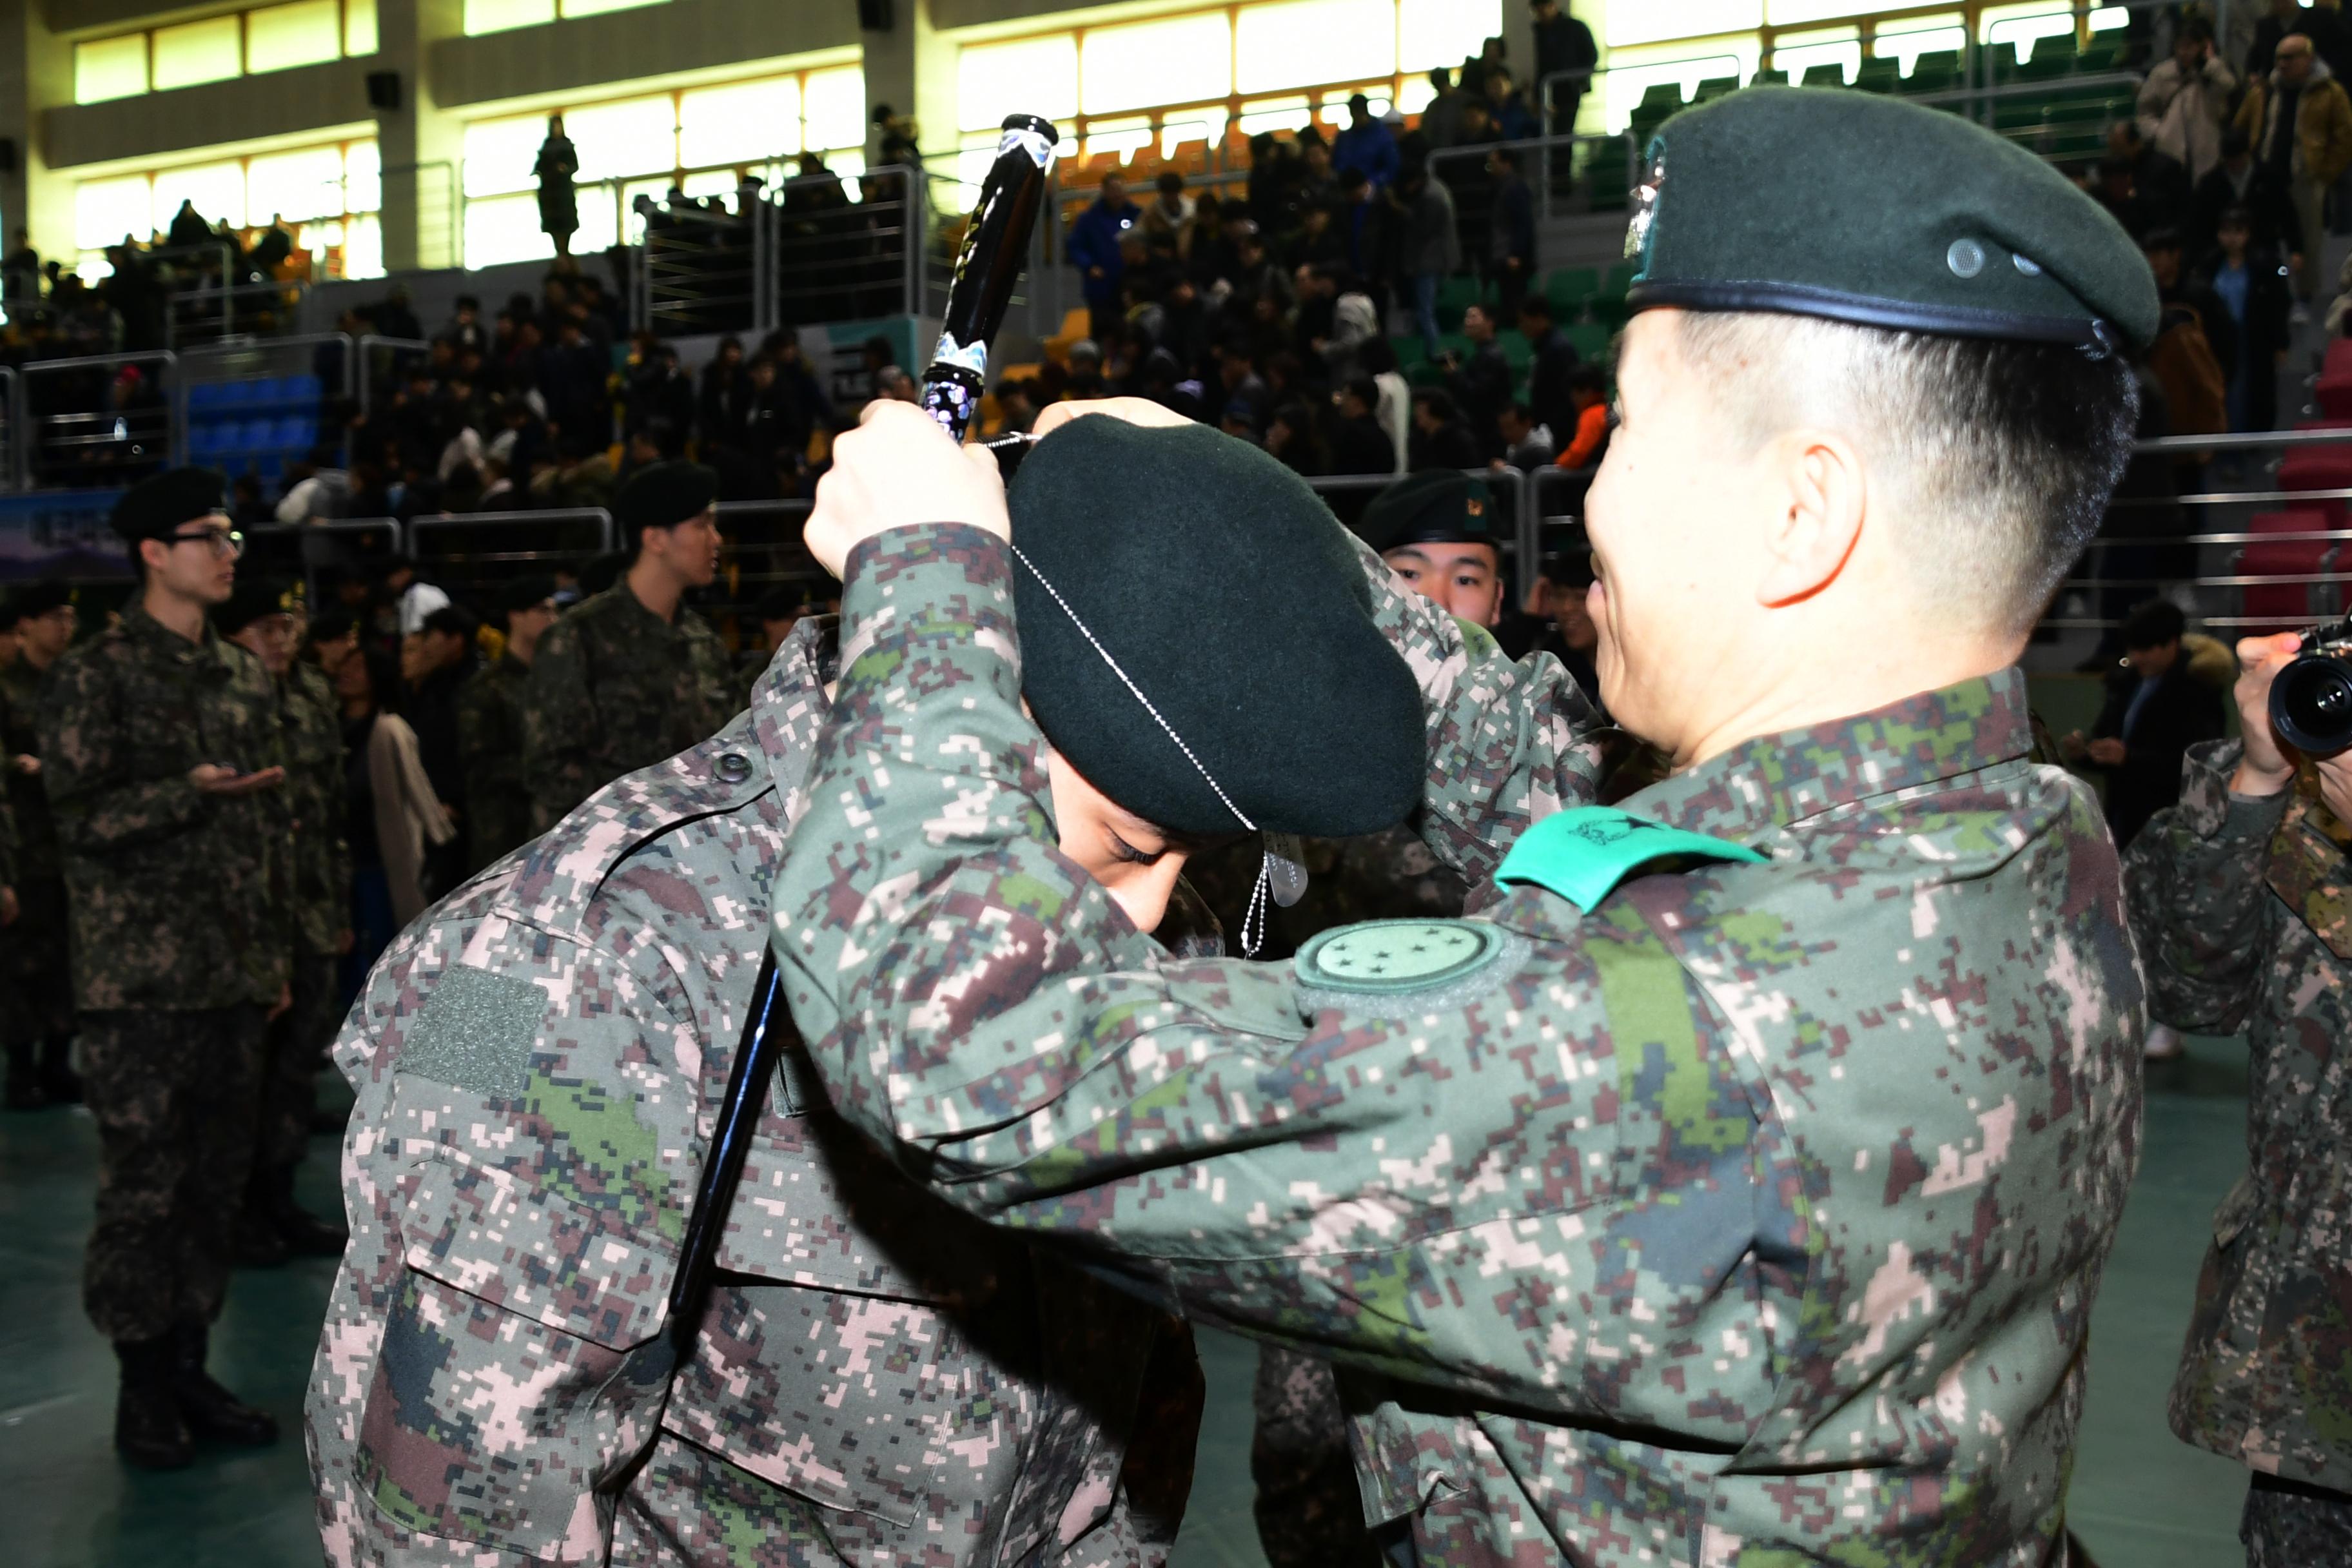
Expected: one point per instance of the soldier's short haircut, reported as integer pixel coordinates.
(1999, 456)
(449, 621)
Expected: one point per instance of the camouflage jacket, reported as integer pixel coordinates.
(318, 796)
(615, 688)
(879, 1379)
(2244, 908)
(1753, 1216)
(20, 735)
(179, 899)
(491, 743)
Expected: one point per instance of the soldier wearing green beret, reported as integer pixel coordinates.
(1734, 1187)
(265, 618)
(877, 1378)
(164, 765)
(33, 957)
(491, 730)
(632, 675)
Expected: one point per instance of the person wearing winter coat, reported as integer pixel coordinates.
(2185, 102)
(2300, 123)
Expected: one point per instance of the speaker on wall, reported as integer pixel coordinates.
(384, 89)
(875, 16)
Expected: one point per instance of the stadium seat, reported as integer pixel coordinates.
(205, 395)
(2340, 356)
(1769, 79)
(1455, 294)
(1605, 174)
(1571, 289)
(1589, 339)
(2105, 52)
(1880, 76)
(2284, 606)
(1937, 70)
(1823, 76)
(1715, 86)
(1609, 305)
(2317, 468)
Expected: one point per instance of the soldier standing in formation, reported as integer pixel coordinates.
(164, 760)
(1736, 1187)
(878, 1378)
(491, 727)
(2242, 900)
(266, 619)
(33, 953)
(632, 675)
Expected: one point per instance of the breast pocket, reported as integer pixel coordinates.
(518, 1370)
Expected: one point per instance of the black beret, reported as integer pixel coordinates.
(663, 495)
(602, 572)
(1862, 208)
(249, 600)
(1267, 666)
(1442, 505)
(526, 594)
(35, 598)
(158, 506)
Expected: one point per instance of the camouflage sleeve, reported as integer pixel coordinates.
(1265, 1158)
(2198, 896)
(558, 726)
(1509, 743)
(491, 1363)
(492, 756)
(89, 766)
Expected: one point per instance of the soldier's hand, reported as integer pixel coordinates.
(285, 1001)
(26, 764)
(897, 469)
(1134, 410)
(8, 909)
(215, 779)
(2267, 767)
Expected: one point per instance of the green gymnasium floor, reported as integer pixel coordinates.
(2141, 1498)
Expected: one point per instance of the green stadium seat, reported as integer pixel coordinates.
(2051, 58)
(1589, 339)
(1609, 305)
(1769, 79)
(1879, 75)
(1517, 353)
(1823, 76)
(1408, 349)
(1660, 99)
(1428, 373)
(1938, 72)
(1604, 171)
(2016, 114)
(1716, 87)
(2105, 52)
(1570, 288)
(1455, 294)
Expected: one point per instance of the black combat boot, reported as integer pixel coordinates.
(258, 1245)
(211, 1411)
(58, 1079)
(148, 1430)
(304, 1233)
(23, 1092)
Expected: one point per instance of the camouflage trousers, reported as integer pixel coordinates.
(176, 1098)
(1310, 1512)
(296, 1050)
(2288, 1525)
(34, 969)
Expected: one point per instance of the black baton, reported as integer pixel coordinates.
(756, 1057)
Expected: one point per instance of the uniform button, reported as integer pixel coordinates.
(734, 767)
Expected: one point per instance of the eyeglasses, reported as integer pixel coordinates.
(226, 543)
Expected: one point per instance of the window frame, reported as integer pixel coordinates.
(244, 19)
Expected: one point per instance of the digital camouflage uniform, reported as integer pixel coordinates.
(1753, 1217)
(491, 743)
(316, 796)
(34, 960)
(615, 688)
(180, 942)
(2244, 910)
(878, 1379)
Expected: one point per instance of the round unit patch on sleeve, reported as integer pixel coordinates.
(1387, 957)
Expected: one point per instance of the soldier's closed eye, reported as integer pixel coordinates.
(1122, 850)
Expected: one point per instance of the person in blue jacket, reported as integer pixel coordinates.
(1366, 144)
(1094, 251)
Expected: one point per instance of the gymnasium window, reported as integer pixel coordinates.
(217, 49)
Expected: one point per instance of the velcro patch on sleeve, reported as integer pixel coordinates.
(476, 1032)
(1582, 854)
(1404, 968)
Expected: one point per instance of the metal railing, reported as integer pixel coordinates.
(260, 402)
(12, 428)
(381, 362)
(82, 433)
(309, 550)
(469, 554)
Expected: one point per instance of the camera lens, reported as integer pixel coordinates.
(2311, 705)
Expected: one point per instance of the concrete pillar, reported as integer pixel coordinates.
(421, 143)
(36, 72)
(912, 69)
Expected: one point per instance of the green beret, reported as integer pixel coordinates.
(663, 495)
(1267, 666)
(249, 600)
(1865, 209)
(156, 506)
(1442, 506)
(36, 599)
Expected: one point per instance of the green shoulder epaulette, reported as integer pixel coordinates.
(1582, 853)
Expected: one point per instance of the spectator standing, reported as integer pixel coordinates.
(1526, 444)
(2250, 282)
(2324, 27)
(1439, 439)
(490, 730)
(20, 272)
(2300, 124)
(2236, 182)
(1511, 242)
(1095, 251)
(1430, 247)
(1551, 359)
(632, 675)
(2164, 697)
(1441, 122)
(1365, 145)
(1368, 224)
(1170, 218)
(2185, 102)
(1359, 445)
(34, 962)
(188, 228)
(1562, 44)
(1396, 397)
(161, 749)
(404, 818)
(1506, 110)
(259, 616)
(2118, 192)
(435, 662)
(558, 206)
(1343, 320)
(273, 249)
(2158, 177)
(1482, 383)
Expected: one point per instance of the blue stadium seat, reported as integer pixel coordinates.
(205, 395)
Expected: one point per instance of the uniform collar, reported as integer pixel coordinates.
(1780, 779)
(143, 628)
(789, 704)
